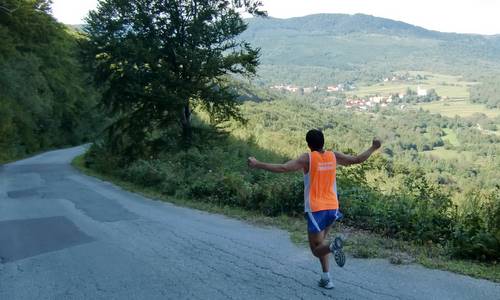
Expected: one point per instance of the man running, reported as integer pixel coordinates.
(321, 204)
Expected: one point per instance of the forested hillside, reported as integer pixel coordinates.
(325, 48)
(45, 100)
(488, 92)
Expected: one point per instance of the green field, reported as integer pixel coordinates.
(461, 108)
(442, 153)
(453, 90)
(450, 137)
(451, 87)
(447, 154)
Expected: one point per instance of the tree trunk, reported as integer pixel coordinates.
(186, 126)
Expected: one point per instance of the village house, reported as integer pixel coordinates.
(370, 102)
(308, 90)
(335, 88)
(421, 92)
(332, 88)
(289, 88)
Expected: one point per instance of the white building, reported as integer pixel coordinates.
(332, 88)
(421, 92)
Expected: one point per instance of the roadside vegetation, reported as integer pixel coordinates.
(45, 101)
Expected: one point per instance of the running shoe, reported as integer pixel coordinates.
(336, 248)
(326, 284)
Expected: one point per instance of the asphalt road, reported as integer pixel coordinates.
(64, 235)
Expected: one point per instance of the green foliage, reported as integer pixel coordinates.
(156, 60)
(477, 231)
(44, 99)
(198, 173)
(488, 92)
(394, 194)
(411, 96)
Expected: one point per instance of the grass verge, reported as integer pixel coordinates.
(359, 243)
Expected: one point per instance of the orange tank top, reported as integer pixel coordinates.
(320, 184)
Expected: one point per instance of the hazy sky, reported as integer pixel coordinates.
(466, 16)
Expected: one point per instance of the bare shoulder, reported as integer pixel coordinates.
(342, 159)
(304, 157)
(303, 160)
(338, 154)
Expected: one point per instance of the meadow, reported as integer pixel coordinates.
(447, 86)
(462, 108)
(453, 90)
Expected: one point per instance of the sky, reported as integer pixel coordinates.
(463, 16)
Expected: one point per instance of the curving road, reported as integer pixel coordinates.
(64, 235)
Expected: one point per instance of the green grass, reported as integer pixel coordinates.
(461, 108)
(449, 154)
(445, 85)
(442, 153)
(450, 137)
(359, 244)
(453, 91)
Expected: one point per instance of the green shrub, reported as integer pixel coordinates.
(417, 210)
(100, 159)
(477, 230)
(146, 173)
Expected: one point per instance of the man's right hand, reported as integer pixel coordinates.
(252, 162)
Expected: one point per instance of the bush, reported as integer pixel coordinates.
(416, 210)
(477, 230)
(100, 159)
(145, 173)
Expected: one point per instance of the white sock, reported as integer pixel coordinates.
(325, 276)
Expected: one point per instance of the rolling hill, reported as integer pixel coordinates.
(317, 49)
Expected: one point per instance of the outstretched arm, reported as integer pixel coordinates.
(346, 160)
(298, 164)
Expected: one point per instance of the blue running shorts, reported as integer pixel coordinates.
(319, 220)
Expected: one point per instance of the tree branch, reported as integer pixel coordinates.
(9, 10)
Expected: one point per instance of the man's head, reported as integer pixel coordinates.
(315, 140)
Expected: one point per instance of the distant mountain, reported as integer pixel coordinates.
(306, 49)
(342, 24)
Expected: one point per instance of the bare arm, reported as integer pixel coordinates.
(346, 160)
(301, 163)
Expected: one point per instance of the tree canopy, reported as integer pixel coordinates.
(45, 100)
(157, 60)
(487, 92)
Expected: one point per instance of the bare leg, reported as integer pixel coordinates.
(319, 248)
(327, 230)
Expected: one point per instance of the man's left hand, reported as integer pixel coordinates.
(376, 144)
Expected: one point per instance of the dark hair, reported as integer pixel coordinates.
(315, 139)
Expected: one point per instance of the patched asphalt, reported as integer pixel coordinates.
(64, 235)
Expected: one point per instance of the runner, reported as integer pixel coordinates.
(321, 204)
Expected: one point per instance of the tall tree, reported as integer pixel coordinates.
(158, 59)
(45, 100)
